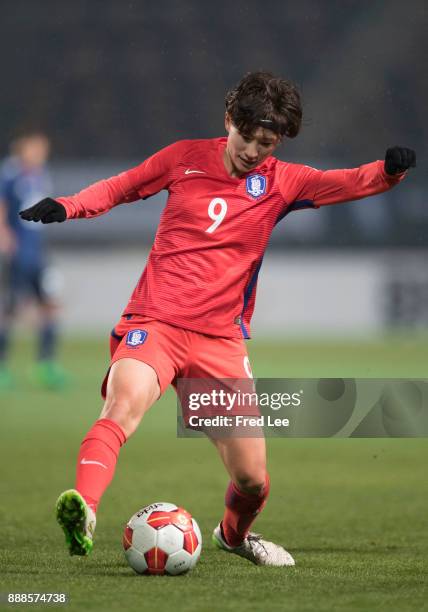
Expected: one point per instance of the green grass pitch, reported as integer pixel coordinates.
(353, 512)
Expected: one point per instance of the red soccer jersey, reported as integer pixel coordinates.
(202, 269)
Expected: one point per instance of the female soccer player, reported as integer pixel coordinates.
(190, 311)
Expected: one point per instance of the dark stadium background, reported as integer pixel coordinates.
(114, 81)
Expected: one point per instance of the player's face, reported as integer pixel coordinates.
(33, 150)
(244, 152)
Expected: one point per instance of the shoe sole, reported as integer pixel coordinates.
(71, 516)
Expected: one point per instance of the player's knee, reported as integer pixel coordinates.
(251, 482)
(126, 410)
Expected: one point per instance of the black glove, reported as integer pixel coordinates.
(46, 211)
(399, 159)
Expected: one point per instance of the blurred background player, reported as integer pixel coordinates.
(23, 180)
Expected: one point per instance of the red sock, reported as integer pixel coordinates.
(241, 512)
(97, 460)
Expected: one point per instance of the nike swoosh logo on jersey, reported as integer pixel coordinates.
(194, 171)
(87, 462)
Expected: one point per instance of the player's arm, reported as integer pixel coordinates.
(320, 188)
(7, 236)
(148, 178)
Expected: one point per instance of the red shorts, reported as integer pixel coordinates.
(174, 352)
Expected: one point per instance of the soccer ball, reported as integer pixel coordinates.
(162, 539)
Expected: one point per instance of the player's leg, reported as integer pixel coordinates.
(6, 380)
(132, 388)
(248, 489)
(246, 495)
(9, 287)
(142, 367)
(245, 462)
(244, 458)
(45, 285)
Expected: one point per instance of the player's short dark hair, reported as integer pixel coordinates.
(262, 96)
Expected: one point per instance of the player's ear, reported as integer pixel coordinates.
(227, 122)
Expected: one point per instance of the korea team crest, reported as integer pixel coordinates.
(135, 337)
(256, 185)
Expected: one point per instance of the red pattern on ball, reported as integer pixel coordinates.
(183, 520)
(159, 519)
(179, 518)
(190, 542)
(156, 560)
(127, 537)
